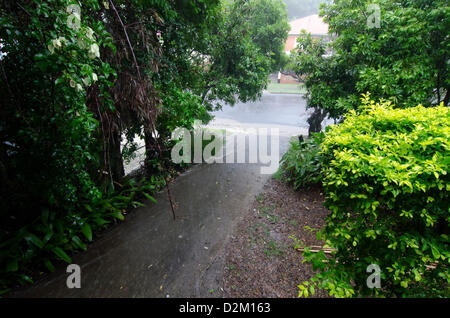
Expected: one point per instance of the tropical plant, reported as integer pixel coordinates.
(301, 164)
(48, 137)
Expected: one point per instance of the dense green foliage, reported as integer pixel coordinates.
(246, 45)
(80, 78)
(48, 146)
(384, 169)
(386, 180)
(301, 164)
(269, 29)
(405, 60)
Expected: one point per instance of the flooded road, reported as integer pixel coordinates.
(284, 111)
(149, 254)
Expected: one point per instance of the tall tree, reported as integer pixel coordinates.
(246, 45)
(403, 60)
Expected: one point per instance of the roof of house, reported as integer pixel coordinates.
(312, 24)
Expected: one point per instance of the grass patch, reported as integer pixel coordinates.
(264, 212)
(260, 198)
(276, 88)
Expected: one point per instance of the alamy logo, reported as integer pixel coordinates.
(218, 140)
(374, 280)
(374, 18)
(74, 279)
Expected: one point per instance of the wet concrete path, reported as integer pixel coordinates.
(149, 254)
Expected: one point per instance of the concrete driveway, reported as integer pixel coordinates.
(149, 254)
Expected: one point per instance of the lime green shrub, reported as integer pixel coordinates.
(386, 178)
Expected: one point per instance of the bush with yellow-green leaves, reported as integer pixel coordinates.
(385, 174)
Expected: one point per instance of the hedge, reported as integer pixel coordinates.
(385, 174)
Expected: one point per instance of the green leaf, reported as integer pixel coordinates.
(78, 242)
(435, 252)
(4, 291)
(26, 278)
(47, 237)
(417, 275)
(62, 255)
(136, 204)
(148, 196)
(49, 265)
(34, 240)
(87, 231)
(60, 80)
(100, 221)
(118, 215)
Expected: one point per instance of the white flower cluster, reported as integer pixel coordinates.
(93, 49)
(159, 37)
(56, 44)
(76, 85)
(86, 81)
(85, 43)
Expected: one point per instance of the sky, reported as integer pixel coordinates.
(302, 8)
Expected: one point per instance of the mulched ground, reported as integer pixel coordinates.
(260, 258)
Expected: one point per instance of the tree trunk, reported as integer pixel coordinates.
(315, 121)
(116, 160)
(151, 153)
(447, 96)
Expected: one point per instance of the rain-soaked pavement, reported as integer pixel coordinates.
(149, 254)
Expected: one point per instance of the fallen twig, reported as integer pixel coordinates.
(316, 249)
